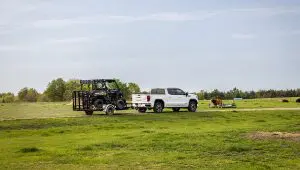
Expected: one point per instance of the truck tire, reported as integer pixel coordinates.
(176, 109)
(192, 106)
(142, 110)
(158, 107)
(89, 112)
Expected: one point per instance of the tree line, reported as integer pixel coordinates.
(237, 93)
(59, 90)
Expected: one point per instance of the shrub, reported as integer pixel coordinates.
(298, 100)
(28, 150)
(43, 98)
(284, 100)
(7, 98)
(28, 95)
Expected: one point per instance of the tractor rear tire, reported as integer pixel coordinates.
(89, 112)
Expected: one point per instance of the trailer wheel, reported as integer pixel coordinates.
(89, 112)
(158, 107)
(142, 110)
(176, 109)
(110, 110)
(192, 106)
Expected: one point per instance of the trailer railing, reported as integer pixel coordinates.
(81, 100)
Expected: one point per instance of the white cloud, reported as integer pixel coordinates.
(243, 36)
(109, 19)
(269, 11)
(175, 16)
(46, 43)
(70, 40)
(163, 16)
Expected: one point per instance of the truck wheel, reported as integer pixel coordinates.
(158, 107)
(89, 112)
(192, 106)
(176, 109)
(142, 110)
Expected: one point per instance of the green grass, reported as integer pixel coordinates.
(64, 109)
(36, 110)
(257, 103)
(205, 140)
(65, 139)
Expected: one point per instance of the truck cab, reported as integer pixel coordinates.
(160, 98)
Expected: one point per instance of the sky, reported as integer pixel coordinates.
(190, 44)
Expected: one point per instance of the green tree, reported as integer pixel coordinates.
(56, 90)
(43, 98)
(7, 97)
(133, 88)
(122, 86)
(28, 95)
(201, 95)
(22, 94)
(32, 95)
(71, 86)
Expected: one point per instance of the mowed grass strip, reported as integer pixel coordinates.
(155, 141)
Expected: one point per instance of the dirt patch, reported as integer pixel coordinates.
(275, 135)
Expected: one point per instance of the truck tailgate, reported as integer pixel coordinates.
(139, 98)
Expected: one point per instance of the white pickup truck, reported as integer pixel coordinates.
(160, 98)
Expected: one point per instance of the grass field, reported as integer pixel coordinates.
(203, 140)
(258, 103)
(54, 110)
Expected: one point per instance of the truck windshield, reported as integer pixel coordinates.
(106, 85)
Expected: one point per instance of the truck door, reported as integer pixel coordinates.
(182, 99)
(176, 98)
(171, 98)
